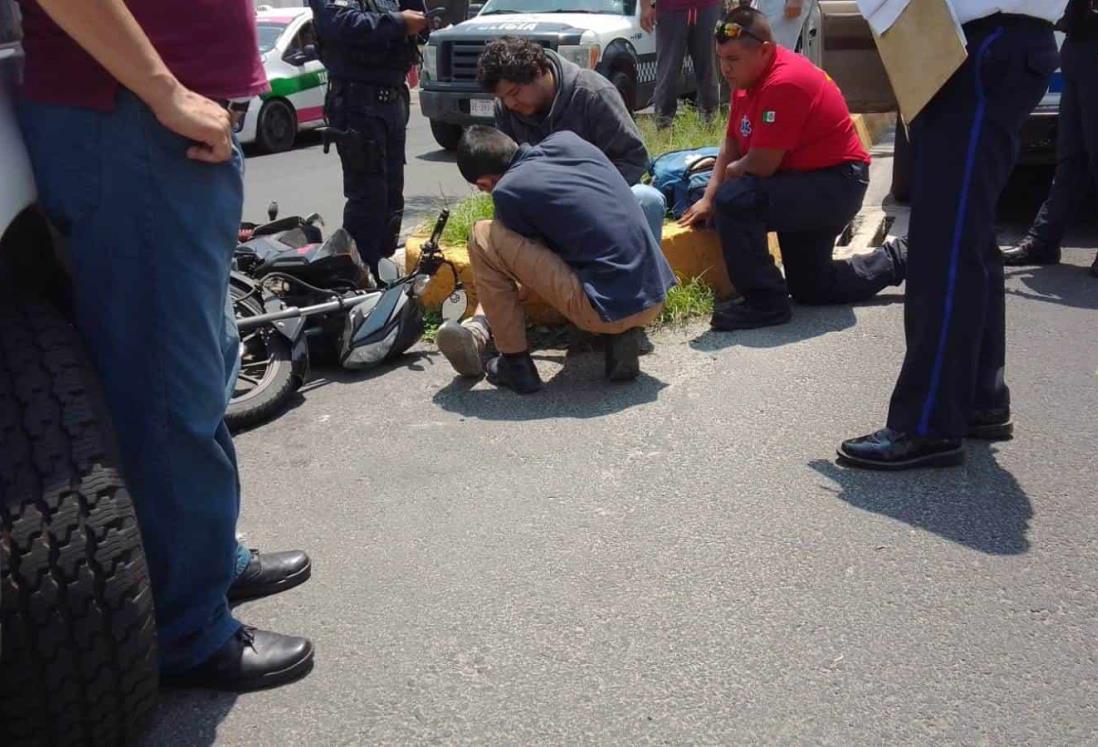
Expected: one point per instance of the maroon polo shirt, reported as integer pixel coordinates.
(209, 45)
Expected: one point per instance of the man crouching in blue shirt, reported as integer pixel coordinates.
(566, 227)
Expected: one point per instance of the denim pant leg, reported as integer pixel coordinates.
(654, 206)
(151, 236)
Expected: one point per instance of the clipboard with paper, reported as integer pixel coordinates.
(921, 44)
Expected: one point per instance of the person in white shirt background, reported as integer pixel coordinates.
(965, 143)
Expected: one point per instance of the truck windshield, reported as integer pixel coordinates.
(607, 7)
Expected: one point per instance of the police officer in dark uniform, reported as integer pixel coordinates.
(368, 47)
(965, 141)
(1077, 141)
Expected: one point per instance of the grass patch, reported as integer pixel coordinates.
(432, 320)
(688, 130)
(463, 216)
(690, 299)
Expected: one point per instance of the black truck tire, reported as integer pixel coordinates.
(277, 381)
(446, 135)
(78, 662)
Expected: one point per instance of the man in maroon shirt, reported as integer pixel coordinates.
(791, 162)
(135, 163)
(682, 26)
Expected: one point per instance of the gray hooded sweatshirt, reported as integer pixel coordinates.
(587, 104)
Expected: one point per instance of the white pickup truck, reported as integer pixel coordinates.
(604, 35)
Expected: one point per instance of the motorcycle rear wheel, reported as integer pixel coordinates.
(266, 381)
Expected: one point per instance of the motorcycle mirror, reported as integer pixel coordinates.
(272, 211)
(455, 306)
(387, 271)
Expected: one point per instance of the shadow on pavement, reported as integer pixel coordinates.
(438, 156)
(189, 718)
(979, 505)
(1064, 284)
(808, 322)
(577, 391)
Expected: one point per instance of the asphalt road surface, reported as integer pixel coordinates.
(679, 560)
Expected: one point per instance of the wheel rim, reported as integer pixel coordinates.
(256, 359)
(278, 126)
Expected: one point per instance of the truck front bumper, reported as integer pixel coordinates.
(452, 107)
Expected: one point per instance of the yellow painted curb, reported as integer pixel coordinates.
(691, 253)
(872, 127)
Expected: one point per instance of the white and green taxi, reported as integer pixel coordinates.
(288, 46)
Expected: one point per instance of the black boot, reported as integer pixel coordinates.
(515, 371)
(1030, 251)
(745, 316)
(891, 450)
(251, 660)
(622, 355)
(269, 573)
(991, 425)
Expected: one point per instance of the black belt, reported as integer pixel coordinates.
(236, 110)
(1006, 20)
(382, 94)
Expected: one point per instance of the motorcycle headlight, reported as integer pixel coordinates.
(584, 55)
(430, 61)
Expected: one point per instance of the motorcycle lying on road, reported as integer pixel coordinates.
(297, 296)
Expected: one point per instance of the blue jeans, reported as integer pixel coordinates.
(654, 206)
(151, 237)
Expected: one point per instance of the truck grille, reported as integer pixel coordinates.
(462, 57)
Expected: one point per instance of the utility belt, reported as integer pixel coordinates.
(366, 91)
(236, 108)
(1006, 21)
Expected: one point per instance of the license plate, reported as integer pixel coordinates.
(482, 107)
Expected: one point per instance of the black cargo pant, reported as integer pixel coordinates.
(1076, 143)
(373, 164)
(808, 210)
(965, 143)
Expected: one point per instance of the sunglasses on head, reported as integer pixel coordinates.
(727, 31)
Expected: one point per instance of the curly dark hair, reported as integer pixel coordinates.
(520, 61)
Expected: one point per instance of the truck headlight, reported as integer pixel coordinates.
(584, 55)
(430, 61)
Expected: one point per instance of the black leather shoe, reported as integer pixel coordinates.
(515, 372)
(892, 450)
(622, 355)
(269, 573)
(991, 425)
(1031, 252)
(745, 316)
(251, 660)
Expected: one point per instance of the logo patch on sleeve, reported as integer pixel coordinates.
(769, 117)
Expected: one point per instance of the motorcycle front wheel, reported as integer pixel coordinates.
(266, 380)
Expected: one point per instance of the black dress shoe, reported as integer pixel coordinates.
(251, 660)
(622, 355)
(745, 316)
(269, 573)
(1030, 251)
(515, 372)
(892, 450)
(991, 425)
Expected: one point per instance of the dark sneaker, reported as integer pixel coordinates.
(991, 425)
(622, 355)
(1030, 251)
(891, 450)
(515, 372)
(745, 316)
(251, 660)
(269, 573)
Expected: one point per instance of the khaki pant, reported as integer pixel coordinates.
(503, 259)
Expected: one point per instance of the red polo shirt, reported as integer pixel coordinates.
(797, 108)
(209, 45)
